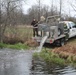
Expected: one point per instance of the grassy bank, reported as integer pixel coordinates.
(65, 55)
(18, 37)
(18, 46)
(53, 58)
(49, 58)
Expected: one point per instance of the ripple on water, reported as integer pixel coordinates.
(40, 68)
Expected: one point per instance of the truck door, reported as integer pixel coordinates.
(72, 28)
(71, 34)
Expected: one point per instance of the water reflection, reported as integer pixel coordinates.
(40, 68)
(13, 62)
(19, 63)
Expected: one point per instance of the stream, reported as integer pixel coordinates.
(19, 62)
(41, 68)
(15, 62)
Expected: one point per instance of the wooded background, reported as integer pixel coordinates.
(11, 14)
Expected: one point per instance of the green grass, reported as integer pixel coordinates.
(53, 58)
(49, 58)
(2, 45)
(18, 46)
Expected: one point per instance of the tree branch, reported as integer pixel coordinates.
(73, 6)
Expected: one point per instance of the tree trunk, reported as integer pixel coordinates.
(1, 40)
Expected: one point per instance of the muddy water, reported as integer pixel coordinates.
(14, 62)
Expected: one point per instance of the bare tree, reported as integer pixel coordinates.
(0, 20)
(39, 8)
(52, 7)
(60, 8)
(45, 10)
(10, 15)
(73, 5)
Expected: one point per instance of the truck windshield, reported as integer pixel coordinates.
(73, 25)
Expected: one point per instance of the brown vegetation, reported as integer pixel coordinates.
(20, 34)
(32, 43)
(12, 40)
(66, 51)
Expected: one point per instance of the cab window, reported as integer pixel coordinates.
(72, 25)
(69, 25)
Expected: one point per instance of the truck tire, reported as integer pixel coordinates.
(62, 42)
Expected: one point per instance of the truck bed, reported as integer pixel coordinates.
(49, 40)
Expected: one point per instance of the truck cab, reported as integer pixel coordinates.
(71, 26)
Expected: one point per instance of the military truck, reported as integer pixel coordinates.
(58, 31)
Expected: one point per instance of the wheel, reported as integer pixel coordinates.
(62, 42)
